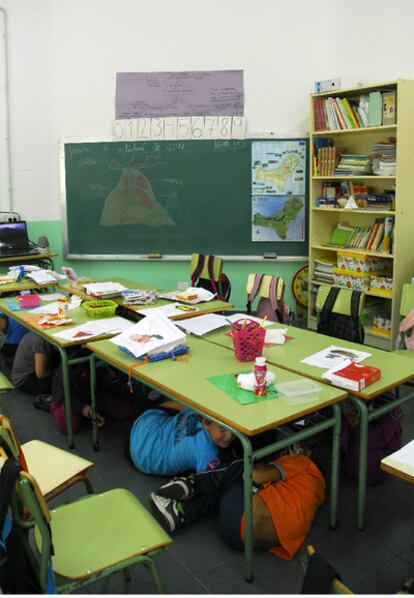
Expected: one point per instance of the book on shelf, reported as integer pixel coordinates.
(388, 107)
(353, 165)
(388, 234)
(375, 109)
(340, 234)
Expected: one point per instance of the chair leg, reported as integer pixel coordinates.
(88, 485)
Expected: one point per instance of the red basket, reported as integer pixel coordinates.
(248, 340)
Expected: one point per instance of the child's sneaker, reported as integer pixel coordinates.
(178, 488)
(166, 512)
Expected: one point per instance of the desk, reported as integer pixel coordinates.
(398, 469)
(30, 257)
(203, 308)
(25, 285)
(187, 382)
(395, 370)
(79, 316)
(5, 387)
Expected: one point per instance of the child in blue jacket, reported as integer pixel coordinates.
(165, 444)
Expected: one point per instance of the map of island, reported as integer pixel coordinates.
(278, 167)
(277, 218)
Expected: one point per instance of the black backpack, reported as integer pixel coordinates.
(221, 287)
(345, 327)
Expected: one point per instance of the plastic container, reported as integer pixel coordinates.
(103, 308)
(260, 370)
(248, 339)
(299, 391)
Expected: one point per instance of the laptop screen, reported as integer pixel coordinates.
(13, 237)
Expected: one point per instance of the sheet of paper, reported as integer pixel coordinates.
(202, 324)
(171, 310)
(234, 317)
(82, 332)
(405, 454)
(335, 356)
(50, 308)
(52, 296)
(202, 295)
(94, 288)
(115, 325)
(44, 276)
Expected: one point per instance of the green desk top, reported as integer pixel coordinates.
(203, 308)
(395, 369)
(20, 259)
(187, 381)
(79, 316)
(24, 285)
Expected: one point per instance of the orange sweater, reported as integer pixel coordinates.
(293, 502)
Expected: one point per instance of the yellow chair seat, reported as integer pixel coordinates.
(101, 530)
(53, 468)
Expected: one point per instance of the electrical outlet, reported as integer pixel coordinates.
(327, 85)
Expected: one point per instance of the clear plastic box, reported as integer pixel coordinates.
(299, 391)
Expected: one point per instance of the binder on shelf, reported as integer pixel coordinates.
(375, 109)
(388, 108)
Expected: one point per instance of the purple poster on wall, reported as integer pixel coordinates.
(179, 93)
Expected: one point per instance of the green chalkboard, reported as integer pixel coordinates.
(134, 198)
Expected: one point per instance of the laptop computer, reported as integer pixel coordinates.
(14, 240)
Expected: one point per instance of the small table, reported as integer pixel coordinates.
(397, 468)
(187, 382)
(395, 370)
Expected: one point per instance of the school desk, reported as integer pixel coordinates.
(79, 316)
(398, 469)
(25, 285)
(186, 381)
(395, 370)
(206, 307)
(30, 257)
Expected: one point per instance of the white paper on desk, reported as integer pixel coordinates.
(334, 356)
(44, 276)
(95, 288)
(82, 332)
(52, 296)
(404, 455)
(115, 325)
(276, 336)
(202, 295)
(234, 317)
(170, 310)
(50, 308)
(202, 324)
(153, 334)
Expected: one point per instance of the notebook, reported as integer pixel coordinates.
(14, 240)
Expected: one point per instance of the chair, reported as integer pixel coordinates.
(5, 387)
(270, 289)
(206, 271)
(320, 577)
(339, 313)
(90, 538)
(55, 469)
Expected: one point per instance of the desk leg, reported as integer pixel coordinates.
(248, 515)
(66, 393)
(92, 366)
(363, 449)
(336, 445)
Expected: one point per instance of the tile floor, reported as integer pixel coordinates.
(374, 561)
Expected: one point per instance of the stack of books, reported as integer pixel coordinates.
(353, 165)
(377, 237)
(323, 270)
(339, 114)
(384, 200)
(384, 158)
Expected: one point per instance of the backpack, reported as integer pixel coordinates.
(345, 327)
(275, 309)
(221, 287)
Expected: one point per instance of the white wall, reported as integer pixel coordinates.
(64, 55)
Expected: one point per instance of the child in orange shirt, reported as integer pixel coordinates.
(287, 495)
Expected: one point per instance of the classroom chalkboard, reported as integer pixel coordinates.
(135, 198)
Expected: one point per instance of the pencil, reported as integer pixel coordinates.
(262, 322)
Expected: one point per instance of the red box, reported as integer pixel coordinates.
(30, 300)
(356, 376)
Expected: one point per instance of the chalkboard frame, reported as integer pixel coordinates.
(260, 256)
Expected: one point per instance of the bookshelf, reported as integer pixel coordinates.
(355, 139)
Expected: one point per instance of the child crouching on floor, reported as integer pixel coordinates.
(165, 444)
(287, 495)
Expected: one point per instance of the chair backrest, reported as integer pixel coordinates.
(206, 271)
(270, 289)
(320, 577)
(10, 440)
(342, 303)
(339, 313)
(407, 299)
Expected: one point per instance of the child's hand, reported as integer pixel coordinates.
(263, 472)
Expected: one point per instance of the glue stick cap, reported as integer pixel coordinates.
(261, 361)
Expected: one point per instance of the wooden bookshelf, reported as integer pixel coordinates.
(323, 220)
